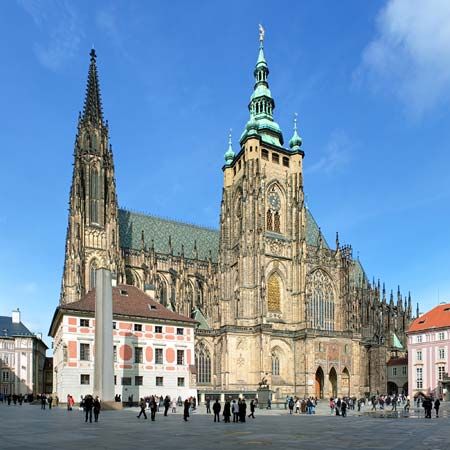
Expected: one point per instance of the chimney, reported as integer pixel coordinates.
(15, 316)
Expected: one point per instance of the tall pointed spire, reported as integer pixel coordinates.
(261, 104)
(92, 111)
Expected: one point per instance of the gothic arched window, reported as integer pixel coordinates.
(95, 197)
(203, 364)
(275, 365)
(274, 293)
(269, 224)
(320, 295)
(276, 222)
(92, 274)
(162, 292)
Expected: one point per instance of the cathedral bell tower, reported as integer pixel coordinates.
(262, 224)
(92, 232)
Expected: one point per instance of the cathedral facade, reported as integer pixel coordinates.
(272, 298)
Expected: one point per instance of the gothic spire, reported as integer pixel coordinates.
(92, 111)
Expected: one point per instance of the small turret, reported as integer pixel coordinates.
(229, 154)
(296, 141)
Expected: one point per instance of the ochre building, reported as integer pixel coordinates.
(273, 299)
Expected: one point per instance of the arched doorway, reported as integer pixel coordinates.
(332, 377)
(345, 382)
(392, 388)
(319, 383)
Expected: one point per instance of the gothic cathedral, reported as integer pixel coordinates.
(273, 300)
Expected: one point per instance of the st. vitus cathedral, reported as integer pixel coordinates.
(272, 298)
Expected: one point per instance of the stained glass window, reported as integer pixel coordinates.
(320, 297)
(203, 364)
(274, 294)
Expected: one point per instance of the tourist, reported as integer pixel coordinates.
(56, 401)
(97, 408)
(269, 403)
(153, 407)
(252, 409)
(243, 410)
(142, 405)
(332, 405)
(50, 401)
(407, 406)
(174, 405)
(427, 405)
(437, 404)
(216, 409)
(208, 405)
(43, 401)
(291, 405)
(297, 406)
(235, 411)
(344, 408)
(227, 411)
(88, 404)
(166, 405)
(187, 405)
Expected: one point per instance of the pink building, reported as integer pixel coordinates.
(428, 352)
(153, 347)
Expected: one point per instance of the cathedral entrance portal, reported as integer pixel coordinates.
(332, 377)
(319, 383)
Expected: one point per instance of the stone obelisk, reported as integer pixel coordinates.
(103, 360)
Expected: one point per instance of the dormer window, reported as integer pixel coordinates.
(124, 293)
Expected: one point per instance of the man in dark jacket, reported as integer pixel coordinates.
(216, 409)
(344, 408)
(142, 406)
(252, 409)
(243, 410)
(187, 405)
(88, 405)
(208, 405)
(227, 411)
(437, 405)
(153, 407)
(97, 408)
(166, 405)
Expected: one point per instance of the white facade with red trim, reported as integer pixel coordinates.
(145, 357)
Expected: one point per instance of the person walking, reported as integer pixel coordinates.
(43, 401)
(187, 405)
(97, 408)
(216, 409)
(88, 403)
(437, 405)
(227, 411)
(142, 406)
(50, 401)
(208, 405)
(166, 405)
(252, 409)
(153, 407)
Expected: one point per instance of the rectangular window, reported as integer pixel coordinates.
(158, 355)
(138, 380)
(84, 352)
(5, 375)
(115, 353)
(137, 327)
(158, 329)
(138, 355)
(441, 353)
(180, 382)
(84, 322)
(85, 378)
(114, 325)
(404, 371)
(419, 379)
(180, 357)
(441, 336)
(419, 355)
(180, 331)
(265, 154)
(441, 371)
(126, 381)
(285, 161)
(159, 381)
(394, 371)
(419, 339)
(276, 158)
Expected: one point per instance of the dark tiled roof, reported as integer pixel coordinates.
(398, 362)
(159, 230)
(132, 224)
(129, 301)
(8, 328)
(438, 317)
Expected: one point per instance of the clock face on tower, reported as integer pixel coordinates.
(274, 201)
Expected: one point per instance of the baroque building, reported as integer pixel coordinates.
(273, 299)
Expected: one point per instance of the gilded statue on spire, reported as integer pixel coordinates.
(261, 33)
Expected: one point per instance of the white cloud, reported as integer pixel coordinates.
(60, 31)
(336, 155)
(410, 55)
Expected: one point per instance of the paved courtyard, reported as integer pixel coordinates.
(27, 427)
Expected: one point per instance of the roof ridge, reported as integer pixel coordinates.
(168, 219)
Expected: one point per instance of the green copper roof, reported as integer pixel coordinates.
(396, 342)
(131, 225)
(229, 154)
(159, 230)
(201, 319)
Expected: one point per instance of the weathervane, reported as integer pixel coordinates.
(261, 33)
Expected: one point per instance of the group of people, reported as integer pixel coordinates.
(303, 406)
(155, 403)
(237, 409)
(90, 404)
(428, 405)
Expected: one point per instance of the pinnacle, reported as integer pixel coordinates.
(92, 111)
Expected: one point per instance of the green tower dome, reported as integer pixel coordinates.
(296, 141)
(229, 154)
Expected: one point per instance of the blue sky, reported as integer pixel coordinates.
(369, 80)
